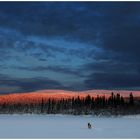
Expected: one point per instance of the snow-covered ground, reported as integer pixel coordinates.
(64, 126)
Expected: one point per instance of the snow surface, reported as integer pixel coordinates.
(68, 126)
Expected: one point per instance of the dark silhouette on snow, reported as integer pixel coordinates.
(89, 126)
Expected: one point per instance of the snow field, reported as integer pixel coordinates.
(68, 126)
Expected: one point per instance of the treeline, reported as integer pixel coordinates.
(114, 105)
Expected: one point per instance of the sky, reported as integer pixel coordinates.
(69, 45)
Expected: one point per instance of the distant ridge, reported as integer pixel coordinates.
(32, 97)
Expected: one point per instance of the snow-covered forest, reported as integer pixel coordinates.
(114, 105)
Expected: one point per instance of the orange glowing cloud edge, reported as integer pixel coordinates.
(59, 94)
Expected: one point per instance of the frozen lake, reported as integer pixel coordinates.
(63, 126)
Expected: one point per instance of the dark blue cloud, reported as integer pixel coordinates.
(11, 84)
(113, 81)
(71, 45)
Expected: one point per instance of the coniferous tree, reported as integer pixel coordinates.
(42, 106)
(131, 99)
(118, 99)
(122, 101)
(49, 106)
